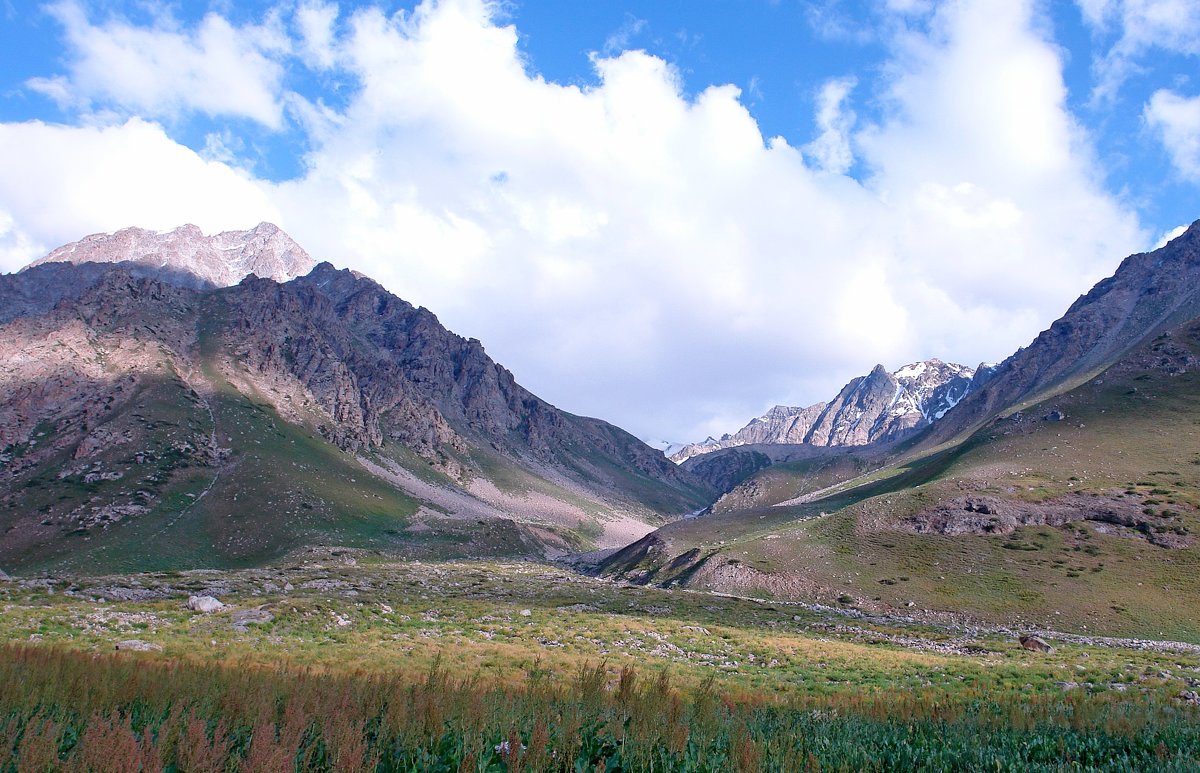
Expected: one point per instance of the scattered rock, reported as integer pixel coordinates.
(1055, 416)
(323, 584)
(1190, 697)
(118, 593)
(526, 613)
(1035, 644)
(137, 645)
(204, 604)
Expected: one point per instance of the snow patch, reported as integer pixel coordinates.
(915, 370)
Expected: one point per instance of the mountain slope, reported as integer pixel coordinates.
(1150, 293)
(151, 425)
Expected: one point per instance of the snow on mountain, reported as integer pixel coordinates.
(877, 408)
(666, 446)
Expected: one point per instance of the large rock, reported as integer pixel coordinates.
(1035, 644)
(204, 604)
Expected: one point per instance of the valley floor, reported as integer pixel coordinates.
(335, 660)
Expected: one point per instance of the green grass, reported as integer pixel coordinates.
(376, 665)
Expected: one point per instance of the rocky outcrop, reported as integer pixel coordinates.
(186, 256)
(878, 408)
(991, 515)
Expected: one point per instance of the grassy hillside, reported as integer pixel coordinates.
(1127, 440)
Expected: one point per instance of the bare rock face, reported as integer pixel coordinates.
(217, 261)
(880, 407)
(725, 470)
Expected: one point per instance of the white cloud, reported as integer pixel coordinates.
(619, 40)
(993, 184)
(58, 184)
(831, 149)
(639, 255)
(1176, 119)
(163, 71)
(1139, 26)
(316, 22)
(1173, 233)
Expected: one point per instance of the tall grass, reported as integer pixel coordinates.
(63, 710)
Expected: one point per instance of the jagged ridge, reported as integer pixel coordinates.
(880, 407)
(220, 260)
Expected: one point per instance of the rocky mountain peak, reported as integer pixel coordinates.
(186, 256)
(882, 406)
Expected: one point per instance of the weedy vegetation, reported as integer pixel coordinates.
(349, 663)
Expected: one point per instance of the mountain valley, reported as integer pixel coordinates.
(323, 532)
(226, 420)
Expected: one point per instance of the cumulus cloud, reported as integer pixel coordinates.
(642, 255)
(1176, 119)
(993, 184)
(160, 71)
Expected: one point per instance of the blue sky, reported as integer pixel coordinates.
(668, 214)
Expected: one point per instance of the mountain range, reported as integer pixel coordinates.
(165, 406)
(878, 408)
(161, 405)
